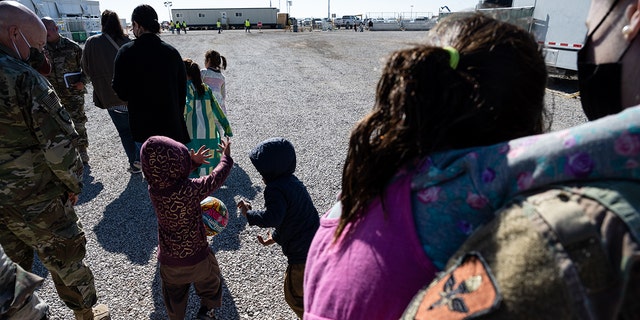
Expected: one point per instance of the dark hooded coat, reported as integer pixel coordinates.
(289, 208)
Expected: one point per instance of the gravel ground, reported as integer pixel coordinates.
(308, 87)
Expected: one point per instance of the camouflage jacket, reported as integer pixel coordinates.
(65, 57)
(38, 159)
(19, 300)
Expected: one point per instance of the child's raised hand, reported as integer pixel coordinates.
(244, 206)
(225, 146)
(201, 156)
(266, 242)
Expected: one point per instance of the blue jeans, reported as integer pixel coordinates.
(121, 121)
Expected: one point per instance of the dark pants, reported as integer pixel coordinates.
(176, 281)
(121, 122)
(293, 279)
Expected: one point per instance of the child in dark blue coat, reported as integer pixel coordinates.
(289, 210)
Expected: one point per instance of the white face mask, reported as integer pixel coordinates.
(16, 47)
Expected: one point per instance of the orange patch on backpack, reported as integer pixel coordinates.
(468, 289)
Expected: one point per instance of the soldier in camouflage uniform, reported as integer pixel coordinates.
(65, 56)
(40, 167)
(18, 286)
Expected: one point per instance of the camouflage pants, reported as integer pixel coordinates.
(53, 230)
(75, 107)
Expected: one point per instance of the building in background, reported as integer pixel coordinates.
(76, 19)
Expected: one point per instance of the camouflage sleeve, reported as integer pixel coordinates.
(83, 77)
(54, 130)
(18, 299)
(86, 67)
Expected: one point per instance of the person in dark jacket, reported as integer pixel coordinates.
(289, 210)
(149, 74)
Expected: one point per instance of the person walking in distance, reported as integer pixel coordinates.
(97, 62)
(67, 78)
(40, 167)
(219, 26)
(247, 26)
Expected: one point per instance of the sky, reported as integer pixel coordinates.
(298, 8)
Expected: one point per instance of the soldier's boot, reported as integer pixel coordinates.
(99, 312)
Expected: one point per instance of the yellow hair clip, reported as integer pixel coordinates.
(454, 57)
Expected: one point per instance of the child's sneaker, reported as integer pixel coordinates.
(135, 167)
(204, 314)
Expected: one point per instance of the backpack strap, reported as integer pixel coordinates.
(115, 45)
(624, 202)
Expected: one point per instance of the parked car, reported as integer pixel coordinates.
(347, 22)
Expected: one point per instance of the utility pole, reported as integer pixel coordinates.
(329, 9)
(168, 4)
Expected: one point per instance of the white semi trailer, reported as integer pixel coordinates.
(558, 25)
(206, 18)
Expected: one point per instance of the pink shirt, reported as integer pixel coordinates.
(374, 270)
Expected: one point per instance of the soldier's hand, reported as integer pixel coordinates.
(78, 86)
(73, 198)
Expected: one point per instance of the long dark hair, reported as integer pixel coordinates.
(423, 105)
(193, 71)
(145, 16)
(111, 25)
(214, 60)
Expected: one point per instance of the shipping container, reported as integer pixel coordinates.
(203, 19)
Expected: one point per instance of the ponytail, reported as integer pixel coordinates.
(193, 71)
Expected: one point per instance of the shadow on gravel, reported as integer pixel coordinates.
(159, 312)
(90, 189)
(238, 184)
(228, 310)
(563, 84)
(38, 268)
(129, 225)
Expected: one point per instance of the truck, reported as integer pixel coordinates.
(206, 18)
(347, 21)
(558, 26)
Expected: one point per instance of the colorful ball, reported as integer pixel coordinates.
(215, 215)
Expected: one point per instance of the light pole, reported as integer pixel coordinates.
(411, 15)
(168, 4)
(328, 9)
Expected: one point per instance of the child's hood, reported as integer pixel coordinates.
(274, 158)
(165, 162)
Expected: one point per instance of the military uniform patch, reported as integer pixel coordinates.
(465, 291)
